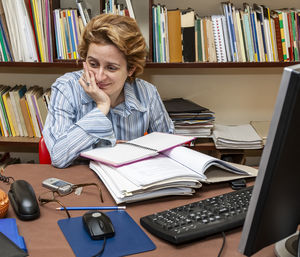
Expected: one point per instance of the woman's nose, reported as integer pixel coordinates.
(100, 74)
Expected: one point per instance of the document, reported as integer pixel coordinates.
(137, 149)
(236, 137)
(178, 171)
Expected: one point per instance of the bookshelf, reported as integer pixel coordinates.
(165, 71)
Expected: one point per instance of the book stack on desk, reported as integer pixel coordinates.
(190, 119)
(236, 137)
(175, 171)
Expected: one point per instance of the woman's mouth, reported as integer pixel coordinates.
(103, 85)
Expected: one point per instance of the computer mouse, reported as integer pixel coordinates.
(23, 200)
(98, 225)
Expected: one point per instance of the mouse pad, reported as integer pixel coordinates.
(129, 237)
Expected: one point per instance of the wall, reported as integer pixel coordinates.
(236, 95)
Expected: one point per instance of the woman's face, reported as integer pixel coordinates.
(109, 66)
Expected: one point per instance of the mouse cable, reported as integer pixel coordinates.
(5, 179)
(102, 250)
(223, 244)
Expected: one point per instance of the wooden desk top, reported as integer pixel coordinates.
(44, 238)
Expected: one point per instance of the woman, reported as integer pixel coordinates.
(104, 102)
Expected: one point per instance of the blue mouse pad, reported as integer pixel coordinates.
(129, 237)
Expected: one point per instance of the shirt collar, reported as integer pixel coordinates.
(131, 101)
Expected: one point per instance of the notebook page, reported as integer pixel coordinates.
(118, 154)
(161, 141)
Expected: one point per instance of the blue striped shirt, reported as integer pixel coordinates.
(74, 123)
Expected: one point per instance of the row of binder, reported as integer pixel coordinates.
(26, 34)
(25, 31)
(23, 112)
(247, 34)
(68, 26)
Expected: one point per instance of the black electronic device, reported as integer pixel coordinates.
(274, 209)
(98, 225)
(23, 200)
(200, 219)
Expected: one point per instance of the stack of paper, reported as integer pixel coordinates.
(178, 171)
(190, 119)
(236, 137)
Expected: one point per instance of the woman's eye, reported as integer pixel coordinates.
(92, 64)
(112, 68)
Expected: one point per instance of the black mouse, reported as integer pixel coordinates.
(23, 200)
(98, 225)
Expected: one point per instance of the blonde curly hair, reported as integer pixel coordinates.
(121, 31)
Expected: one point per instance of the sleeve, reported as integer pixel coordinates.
(159, 117)
(66, 134)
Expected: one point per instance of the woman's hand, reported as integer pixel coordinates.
(88, 83)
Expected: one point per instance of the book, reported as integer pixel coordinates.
(174, 33)
(33, 114)
(136, 149)
(83, 11)
(181, 105)
(26, 116)
(178, 171)
(130, 9)
(219, 37)
(188, 35)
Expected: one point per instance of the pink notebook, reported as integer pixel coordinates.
(135, 150)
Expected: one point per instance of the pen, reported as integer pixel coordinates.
(92, 208)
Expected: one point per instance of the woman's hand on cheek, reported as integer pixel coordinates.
(88, 83)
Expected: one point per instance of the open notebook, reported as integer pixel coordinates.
(137, 149)
(178, 171)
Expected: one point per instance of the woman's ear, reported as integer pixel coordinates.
(131, 71)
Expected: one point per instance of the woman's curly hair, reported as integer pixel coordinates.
(121, 31)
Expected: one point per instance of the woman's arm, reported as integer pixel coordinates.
(71, 127)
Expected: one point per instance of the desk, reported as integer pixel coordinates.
(44, 238)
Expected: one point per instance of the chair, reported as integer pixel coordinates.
(44, 156)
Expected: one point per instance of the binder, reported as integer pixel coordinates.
(8, 227)
(174, 33)
(129, 237)
(188, 35)
(219, 38)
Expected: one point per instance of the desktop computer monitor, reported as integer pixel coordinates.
(274, 209)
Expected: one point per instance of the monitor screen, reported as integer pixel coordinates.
(274, 209)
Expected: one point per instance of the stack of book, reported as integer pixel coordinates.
(190, 119)
(170, 171)
(25, 31)
(236, 137)
(23, 112)
(248, 33)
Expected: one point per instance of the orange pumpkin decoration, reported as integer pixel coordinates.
(4, 202)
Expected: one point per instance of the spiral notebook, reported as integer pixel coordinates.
(138, 149)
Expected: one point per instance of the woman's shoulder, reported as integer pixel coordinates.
(143, 85)
(69, 79)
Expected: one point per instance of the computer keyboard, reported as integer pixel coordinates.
(200, 219)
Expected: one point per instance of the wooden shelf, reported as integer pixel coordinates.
(78, 64)
(19, 144)
(220, 65)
